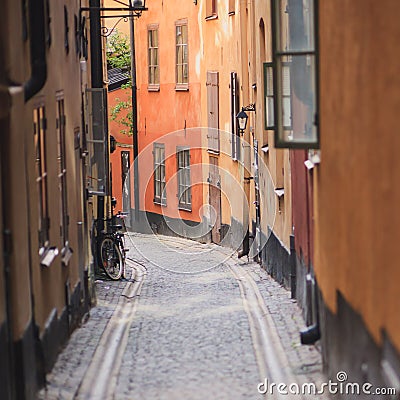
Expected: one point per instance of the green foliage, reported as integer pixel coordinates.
(119, 56)
(122, 113)
(118, 51)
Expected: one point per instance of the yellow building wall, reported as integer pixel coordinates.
(356, 186)
(274, 164)
(221, 51)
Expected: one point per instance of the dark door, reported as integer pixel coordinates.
(214, 180)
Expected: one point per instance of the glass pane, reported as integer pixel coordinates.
(155, 57)
(286, 79)
(155, 38)
(184, 34)
(185, 73)
(179, 74)
(270, 111)
(162, 172)
(185, 54)
(298, 103)
(187, 176)
(157, 75)
(179, 55)
(269, 82)
(151, 75)
(286, 112)
(178, 35)
(296, 25)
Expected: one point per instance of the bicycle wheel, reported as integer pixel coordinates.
(111, 258)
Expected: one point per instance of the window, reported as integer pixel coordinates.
(66, 30)
(182, 60)
(159, 174)
(62, 174)
(269, 120)
(184, 187)
(235, 135)
(39, 126)
(211, 9)
(154, 68)
(98, 173)
(294, 75)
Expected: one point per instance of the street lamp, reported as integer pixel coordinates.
(242, 118)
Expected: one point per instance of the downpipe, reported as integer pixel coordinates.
(37, 49)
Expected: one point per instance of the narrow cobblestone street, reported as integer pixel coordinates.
(187, 330)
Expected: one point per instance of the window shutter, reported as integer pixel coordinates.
(235, 137)
(213, 110)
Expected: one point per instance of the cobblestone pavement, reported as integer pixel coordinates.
(190, 336)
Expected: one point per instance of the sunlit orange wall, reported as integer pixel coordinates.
(168, 110)
(357, 184)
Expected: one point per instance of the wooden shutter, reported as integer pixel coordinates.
(235, 136)
(213, 111)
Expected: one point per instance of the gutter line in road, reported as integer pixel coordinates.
(100, 379)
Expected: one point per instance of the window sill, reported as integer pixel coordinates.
(153, 88)
(265, 149)
(211, 17)
(182, 87)
(66, 254)
(184, 207)
(160, 203)
(230, 13)
(47, 256)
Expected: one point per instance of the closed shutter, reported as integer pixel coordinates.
(213, 111)
(235, 136)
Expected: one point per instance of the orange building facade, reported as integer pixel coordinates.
(168, 103)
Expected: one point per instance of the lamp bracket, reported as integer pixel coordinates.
(250, 107)
(135, 12)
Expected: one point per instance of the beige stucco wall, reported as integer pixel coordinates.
(275, 164)
(63, 74)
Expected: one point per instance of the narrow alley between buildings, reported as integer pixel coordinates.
(190, 322)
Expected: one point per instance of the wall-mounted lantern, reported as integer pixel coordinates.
(242, 117)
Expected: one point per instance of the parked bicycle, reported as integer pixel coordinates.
(109, 246)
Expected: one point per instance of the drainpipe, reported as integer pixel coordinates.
(246, 135)
(134, 123)
(96, 61)
(37, 49)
